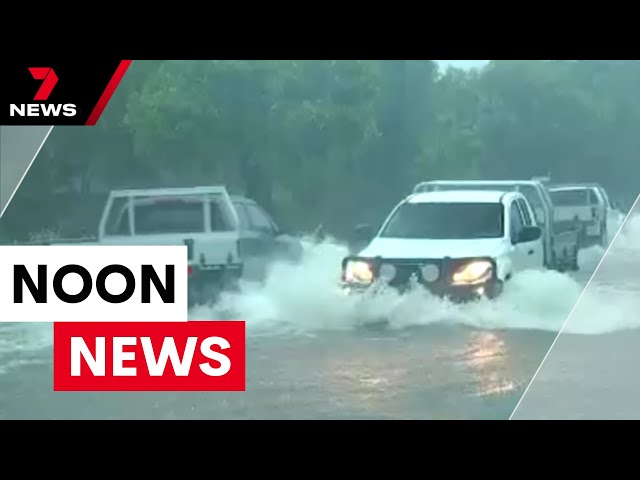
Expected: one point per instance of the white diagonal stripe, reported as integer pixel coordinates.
(575, 306)
(26, 171)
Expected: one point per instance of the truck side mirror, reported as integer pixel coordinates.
(529, 234)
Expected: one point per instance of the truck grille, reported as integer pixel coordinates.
(406, 269)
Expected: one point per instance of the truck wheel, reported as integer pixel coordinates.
(191, 300)
(204, 292)
(575, 264)
(194, 296)
(604, 236)
(555, 265)
(582, 237)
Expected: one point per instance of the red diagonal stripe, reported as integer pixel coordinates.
(106, 95)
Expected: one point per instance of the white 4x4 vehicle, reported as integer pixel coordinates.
(561, 240)
(227, 237)
(587, 204)
(458, 244)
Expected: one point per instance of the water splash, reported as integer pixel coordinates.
(305, 298)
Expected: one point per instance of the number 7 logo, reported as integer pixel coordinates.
(49, 80)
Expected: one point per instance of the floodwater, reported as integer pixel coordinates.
(306, 358)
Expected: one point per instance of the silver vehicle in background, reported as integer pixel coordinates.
(228, 237)
(587, 204)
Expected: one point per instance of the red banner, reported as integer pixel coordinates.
(148, 356)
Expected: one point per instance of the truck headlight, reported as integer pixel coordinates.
(473, 273)
(358, 272)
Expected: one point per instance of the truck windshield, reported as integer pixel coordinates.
(169, 216)
(446, 221)
(529, 191)
(157, 215)
(563, 198)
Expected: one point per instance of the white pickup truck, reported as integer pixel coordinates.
(561, 240)
(458, 244)
(228, 237)
(587, 204)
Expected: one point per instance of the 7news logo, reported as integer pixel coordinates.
(49, 80)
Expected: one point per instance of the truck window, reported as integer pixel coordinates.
(448, 221)
(258, 219)
(565, 198)
(169, 216)
(530, 192)
(524, 211)
(516, 220)
(536, 200)
(594, 198)
(117, 223)
(532, 195)
(219, 216)
(243, 216)
(546, 198)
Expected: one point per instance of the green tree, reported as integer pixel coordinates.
(338, 141)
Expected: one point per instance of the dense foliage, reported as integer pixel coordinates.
(340, 141)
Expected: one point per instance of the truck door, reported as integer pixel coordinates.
(598, 212)
(258, 239)
(264, 228)
(534, 250)
(525, 254)
(249, 242)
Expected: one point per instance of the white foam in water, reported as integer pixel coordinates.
(303, 296)
(605, 309)
(306, 298)
(22, 338)
(612, 302)
(629, 238)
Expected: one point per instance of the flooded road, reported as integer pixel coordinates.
(305, 359)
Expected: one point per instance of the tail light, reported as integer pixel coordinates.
(189, 270)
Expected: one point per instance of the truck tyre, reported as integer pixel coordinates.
(604, 235)
(555, 265)
(194, 295)
(198, 294)
(205, 291)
